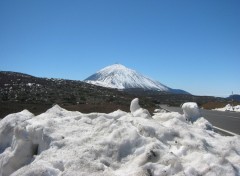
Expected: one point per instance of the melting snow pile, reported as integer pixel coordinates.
(61, 142)
(229, 107)
(191, 111)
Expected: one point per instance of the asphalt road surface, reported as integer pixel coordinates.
(224, 121)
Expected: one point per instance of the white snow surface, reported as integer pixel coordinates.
(120, 77)
(229, 107)
(60, 142)
(191, 111)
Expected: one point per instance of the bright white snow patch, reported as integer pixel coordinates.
(229, 107)
(137, 111)
(30, 84)
(237, 108)
(134, 105)
(120, 77)
(61, 142)
(191, 111)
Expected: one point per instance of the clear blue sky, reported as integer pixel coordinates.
(189, 44)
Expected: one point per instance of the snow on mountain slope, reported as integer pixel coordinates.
(120, 77)
(60, 142)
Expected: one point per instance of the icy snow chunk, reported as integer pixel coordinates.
(191, 111)
(19, 155)
(117, 114)
(203, 123)
(134, 105)
(57, 111)
(237, 108)
(141, 113)
(42, 168)
(160, 111)
(137, 111)
(229, 107)
(7, 126)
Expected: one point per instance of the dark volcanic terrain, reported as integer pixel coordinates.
(21, 91)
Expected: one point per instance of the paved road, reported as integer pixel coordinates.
(229, 121)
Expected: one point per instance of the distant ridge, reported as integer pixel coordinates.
(120, 77)
(234, 97)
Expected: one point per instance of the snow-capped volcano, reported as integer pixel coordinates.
(120, 77)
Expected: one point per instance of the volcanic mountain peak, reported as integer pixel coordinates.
(120, 77)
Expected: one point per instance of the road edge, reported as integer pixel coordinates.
(225, 131)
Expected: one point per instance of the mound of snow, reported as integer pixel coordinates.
(237, 108)
(191, 111)
(61, 142)
(229, 107)
(137, 111)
